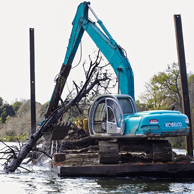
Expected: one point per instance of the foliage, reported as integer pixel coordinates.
(163, 90)
(3, 117)
(5, 111)
(8, 109)
(16, 106)
(24, 108)
(12, 138)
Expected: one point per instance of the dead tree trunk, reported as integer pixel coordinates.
(50, 123)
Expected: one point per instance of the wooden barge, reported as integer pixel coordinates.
(83, 157)
(183, 169)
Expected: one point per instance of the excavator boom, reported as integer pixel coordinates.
(107, 45)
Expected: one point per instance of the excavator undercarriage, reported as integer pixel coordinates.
(122, 150)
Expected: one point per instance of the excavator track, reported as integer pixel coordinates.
(161, 150)
(154, 150)
(108, 152)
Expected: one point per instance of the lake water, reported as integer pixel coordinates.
(42, 181)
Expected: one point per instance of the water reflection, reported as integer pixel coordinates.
(133, 185)
(43, 181)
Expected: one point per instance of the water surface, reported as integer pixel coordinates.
(42, 181)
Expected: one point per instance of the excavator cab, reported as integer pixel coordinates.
(106, 117)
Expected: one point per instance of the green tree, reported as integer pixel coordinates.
(3, 117)
(163, 90)
(16, 106)
(8, 109)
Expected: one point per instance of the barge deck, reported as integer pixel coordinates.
(158, 170)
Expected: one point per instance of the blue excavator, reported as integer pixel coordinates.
(114, 119)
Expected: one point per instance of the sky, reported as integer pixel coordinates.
(144, 28)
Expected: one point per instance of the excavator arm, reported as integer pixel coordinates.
(107, 45)
(75, 38)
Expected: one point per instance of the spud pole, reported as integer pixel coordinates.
(32, 82)
(183, 79)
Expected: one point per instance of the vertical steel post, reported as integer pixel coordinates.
(32, 82)
(183, 79)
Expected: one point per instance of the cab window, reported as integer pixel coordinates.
(125, 105)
